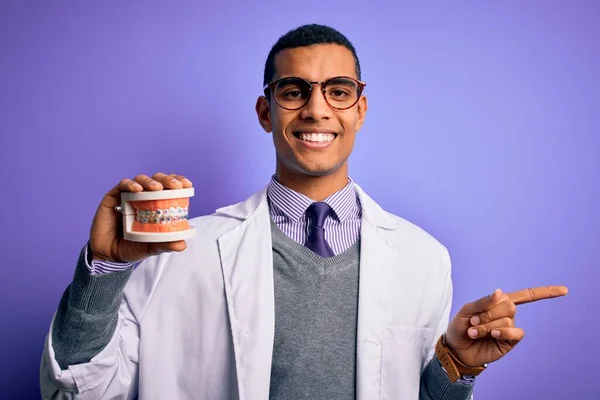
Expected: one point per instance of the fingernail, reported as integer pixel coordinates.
(173, 180)
(472, 332)
(475, 320)
(495, 291)
(496, 333)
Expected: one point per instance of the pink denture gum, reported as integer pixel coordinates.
(160, 216)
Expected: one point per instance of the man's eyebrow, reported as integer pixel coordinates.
(291, 77)
(341, 79)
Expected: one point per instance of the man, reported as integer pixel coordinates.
(267, 301)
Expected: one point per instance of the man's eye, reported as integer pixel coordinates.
(338, 93)
(293, 94)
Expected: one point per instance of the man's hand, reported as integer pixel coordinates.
(484, 331)
(106, 235)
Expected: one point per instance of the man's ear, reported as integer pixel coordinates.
(263, 112)
(361, 109)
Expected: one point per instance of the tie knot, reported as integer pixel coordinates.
(319, 212)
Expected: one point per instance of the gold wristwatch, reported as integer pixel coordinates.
(453, 367)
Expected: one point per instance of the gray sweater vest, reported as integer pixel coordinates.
(316, 306)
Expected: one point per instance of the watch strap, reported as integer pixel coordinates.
(453, 367)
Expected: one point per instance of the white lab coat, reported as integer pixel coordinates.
(199, 324)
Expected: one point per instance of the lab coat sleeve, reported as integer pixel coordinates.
(435, 384)
(110, 370)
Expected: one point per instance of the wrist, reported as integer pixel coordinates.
(98, 257)
(454, 368)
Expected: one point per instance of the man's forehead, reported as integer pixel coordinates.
(316, 62)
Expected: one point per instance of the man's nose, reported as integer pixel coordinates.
(316, 108)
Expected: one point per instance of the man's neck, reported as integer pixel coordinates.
(317, 188)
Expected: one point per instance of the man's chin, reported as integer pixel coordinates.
(306, 167)
(318, 170)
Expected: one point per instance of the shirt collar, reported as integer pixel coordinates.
(294, 205)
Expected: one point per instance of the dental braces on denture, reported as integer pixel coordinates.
(160, 216)
(164, 216)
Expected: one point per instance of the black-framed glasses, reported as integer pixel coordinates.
(293, 93)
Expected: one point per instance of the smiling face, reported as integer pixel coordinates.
(315, 140)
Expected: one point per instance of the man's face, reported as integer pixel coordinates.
(296, 154)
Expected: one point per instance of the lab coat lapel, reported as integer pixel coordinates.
(247, 263)
(378, 264)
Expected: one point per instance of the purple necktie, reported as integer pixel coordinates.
(316, 239)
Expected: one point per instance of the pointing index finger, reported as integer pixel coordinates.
(535, 294)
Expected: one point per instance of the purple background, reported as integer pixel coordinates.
(482, 129)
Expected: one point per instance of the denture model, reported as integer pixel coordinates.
(160, 216)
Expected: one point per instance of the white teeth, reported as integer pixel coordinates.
(317, 137)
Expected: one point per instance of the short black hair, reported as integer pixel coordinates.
(307, 35)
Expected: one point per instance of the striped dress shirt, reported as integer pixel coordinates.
(288, 211)
(342, 227)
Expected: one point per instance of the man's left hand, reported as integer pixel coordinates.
(484, 331)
